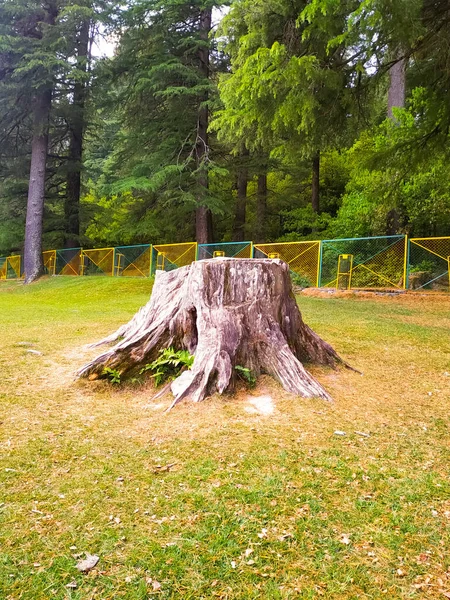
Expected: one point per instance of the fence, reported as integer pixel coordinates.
(383, 262)
(167, 257)
(49, 258)
(303, 258)
(230, 249)
(429, 263)
(68, 261)
(3, 268)
(133, 261)
(13, 267)
(97, 262)
(376, 262)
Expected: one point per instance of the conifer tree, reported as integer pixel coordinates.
(163, 78)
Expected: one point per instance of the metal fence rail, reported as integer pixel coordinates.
(97, 262)
(68, 261)
(49, 258)
(428, 263)
(382, 262)
(14, 267)
(3, 268)
(303, 258)
(230, 249)
(167, 257)
(133, 261)
(376, 262)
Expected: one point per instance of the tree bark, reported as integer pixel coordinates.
(203, 217)
(396, 99)
(397, 85)
(241, 200)
(315, 192)
(77, 126)
(33, 264)
(261, 208)
(228, 313)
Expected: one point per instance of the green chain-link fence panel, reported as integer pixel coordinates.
(230, 249)
(133, 261)
(97, 262)
(49, 259)
(3, 267)
(14, 267)
(429, 263)
(376, 262)
(167, 257)
(68, 261)
(302, 258)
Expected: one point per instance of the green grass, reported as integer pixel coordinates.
(254, 506)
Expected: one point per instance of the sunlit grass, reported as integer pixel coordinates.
(251, 506)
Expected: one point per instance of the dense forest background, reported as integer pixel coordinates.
(259, 119)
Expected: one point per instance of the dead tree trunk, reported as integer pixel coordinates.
(227, 312)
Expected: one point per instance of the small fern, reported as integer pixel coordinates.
(168, 365)
(113, 375)
(246, 375)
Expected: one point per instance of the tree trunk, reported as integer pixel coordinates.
(315, 192)
(241, 200)
(77, 124)
(396, 99)
(228, 313)
(397, 85)
(203, 217)
(261, 208)
(33, 264)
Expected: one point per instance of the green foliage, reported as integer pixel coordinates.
(246, 375)
(287, 80)
(168, 365)
(426, 266)
(300, 280)
(113, 375)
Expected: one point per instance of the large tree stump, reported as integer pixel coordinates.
(226, 312)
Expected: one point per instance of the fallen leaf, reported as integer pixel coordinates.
(156, 585)
(163, 468)
(344, 539)
(88, 563)
(263, 533)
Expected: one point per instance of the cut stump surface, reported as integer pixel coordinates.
(227, 312)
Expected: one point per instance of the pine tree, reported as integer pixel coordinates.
(162, 85)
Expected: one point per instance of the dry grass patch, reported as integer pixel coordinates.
(210, 500)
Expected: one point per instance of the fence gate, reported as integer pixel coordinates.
(378, 262)
(230, 249)
(49, 259)
(3, 268)
(344, 272)
(167, 257)
(68, 261)
(13, 267)
(97, 262)
(429, 263)
(303, 258)
(133, 261)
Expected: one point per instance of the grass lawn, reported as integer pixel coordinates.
(253, 505)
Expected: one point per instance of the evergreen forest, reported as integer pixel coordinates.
(162, 121)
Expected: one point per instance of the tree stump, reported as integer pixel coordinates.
(227, 312)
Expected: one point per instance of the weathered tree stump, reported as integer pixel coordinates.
(227, 312)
